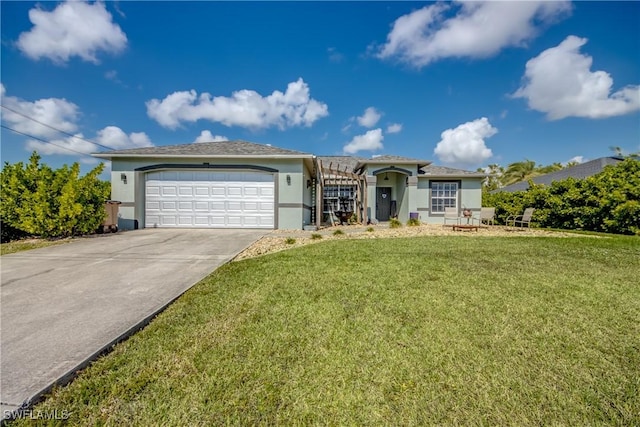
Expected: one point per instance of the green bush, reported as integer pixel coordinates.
(413, 222)
(606, 202)
(370, 229)
(39, 201)
(290, 241)
(316, 236)
(394, 223)
(338, 232)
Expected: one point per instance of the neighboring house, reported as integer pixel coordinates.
(239, 184)
(580, 171)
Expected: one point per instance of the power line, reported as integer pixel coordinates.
(42, 140)
(56, 129)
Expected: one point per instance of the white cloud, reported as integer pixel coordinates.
(62, 115)
(465, 144)
(71, 29)
(370, 141)
(110, 136)
(479, 29)
(334, 55)
(245, 108)
(394, 128)
(576, 159)
(56, 112)
(369, 118)
(560, 83)
(116, 138)
(207, 136)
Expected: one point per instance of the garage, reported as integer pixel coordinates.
(210, 199)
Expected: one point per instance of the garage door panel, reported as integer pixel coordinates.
(218, 206)
(251, 206)
(207, 199)
(217, 190)
(234, 191)
(234, 206)
(201, 206)
(200, 191)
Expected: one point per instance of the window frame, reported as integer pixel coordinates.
(455, 198)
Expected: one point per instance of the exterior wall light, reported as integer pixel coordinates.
(288, 179)
(123, 177)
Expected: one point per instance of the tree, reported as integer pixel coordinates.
(520, 171)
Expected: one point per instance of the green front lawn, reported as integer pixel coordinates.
(27, 245)
(416, 331)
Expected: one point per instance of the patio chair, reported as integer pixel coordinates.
(487, 215)
(451, 214)
(521, 220)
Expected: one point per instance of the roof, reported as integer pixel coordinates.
(386, 159)
(227, 149)
(445, 172)
(581, 171)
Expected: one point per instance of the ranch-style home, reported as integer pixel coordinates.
(239, 184)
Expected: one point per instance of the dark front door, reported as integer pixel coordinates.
(383, 203)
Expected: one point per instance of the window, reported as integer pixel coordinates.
(337, 197)
(443, 195)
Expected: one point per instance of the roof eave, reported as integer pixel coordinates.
(109, 156)
(444, 175)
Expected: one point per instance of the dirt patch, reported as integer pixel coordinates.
(279, 240)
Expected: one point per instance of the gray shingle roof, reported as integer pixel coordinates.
(580, 171)
(235, 148)
(443, 171)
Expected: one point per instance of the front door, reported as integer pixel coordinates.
(383, 203)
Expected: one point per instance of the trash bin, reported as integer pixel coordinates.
(110, 223)
(414, 215)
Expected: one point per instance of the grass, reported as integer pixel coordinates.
(27, 244)
(415, 331)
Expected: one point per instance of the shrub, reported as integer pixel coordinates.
(370, 229)
(316, 236)
(338, 232)
(290, 241)
(413, 222)
(607, 202)
(395, 223)
(39, 201)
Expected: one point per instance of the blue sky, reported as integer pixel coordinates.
(462, 84)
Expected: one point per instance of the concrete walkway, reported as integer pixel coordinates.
(62, 306)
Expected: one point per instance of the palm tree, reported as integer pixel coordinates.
(549, 168)
(520, 171)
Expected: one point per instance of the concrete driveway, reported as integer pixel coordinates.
(61, 306)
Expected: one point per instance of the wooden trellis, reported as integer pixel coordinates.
(336, 175)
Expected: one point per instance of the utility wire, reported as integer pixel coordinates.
(56, 129)
(42, 140)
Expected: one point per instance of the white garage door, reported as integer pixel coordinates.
(209, 199)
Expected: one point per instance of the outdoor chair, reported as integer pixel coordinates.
(487, 215)
(451, 214)
(521, 220)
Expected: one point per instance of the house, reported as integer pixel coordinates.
(580, 171)
(239, 184)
